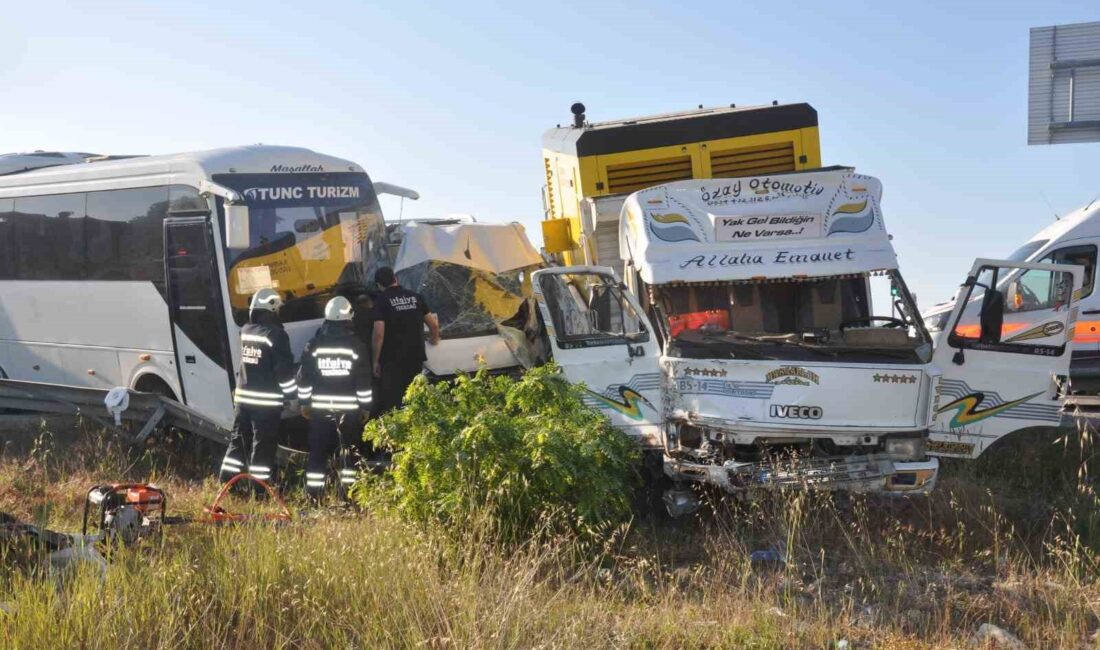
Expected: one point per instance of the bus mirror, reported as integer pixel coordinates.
(236, 226)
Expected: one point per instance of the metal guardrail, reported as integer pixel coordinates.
(1080, 409)
(148, 409)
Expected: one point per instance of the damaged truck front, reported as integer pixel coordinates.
(764, 336)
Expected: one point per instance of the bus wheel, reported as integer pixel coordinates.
(157, 386)
(193, 452)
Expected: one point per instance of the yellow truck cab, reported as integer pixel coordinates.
(591, 167)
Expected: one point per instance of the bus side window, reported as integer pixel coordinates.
(125, 234)
(49, 233)
(8, 262)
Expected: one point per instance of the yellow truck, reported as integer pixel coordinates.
(591, 167)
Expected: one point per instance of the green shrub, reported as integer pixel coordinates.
(521, 453)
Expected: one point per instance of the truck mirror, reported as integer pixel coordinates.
(1014, 298)
(237, 226)
(992, 316)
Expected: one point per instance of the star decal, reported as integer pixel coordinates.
(894, 379)
(705, 372)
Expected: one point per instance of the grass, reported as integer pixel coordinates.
(923, 573)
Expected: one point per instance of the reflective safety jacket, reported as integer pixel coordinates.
(335, 372)
(266, 376)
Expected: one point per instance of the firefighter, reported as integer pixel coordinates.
(398, 337)
(265, 381)
(334, 391)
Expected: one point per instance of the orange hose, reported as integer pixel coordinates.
(216, 514)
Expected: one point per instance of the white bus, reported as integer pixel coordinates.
(138, 271)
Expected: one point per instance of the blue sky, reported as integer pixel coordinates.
(452, 97)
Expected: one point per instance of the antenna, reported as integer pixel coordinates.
(1056, 217)
(1092, 201)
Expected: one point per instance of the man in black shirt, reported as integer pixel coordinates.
(400, 316)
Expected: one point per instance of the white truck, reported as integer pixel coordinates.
(750, 346)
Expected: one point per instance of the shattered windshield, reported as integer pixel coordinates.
(860, 318)
(468, 302)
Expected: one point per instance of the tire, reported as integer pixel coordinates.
(1038, 458)
(156, 385)
(193, 452)
(652, 484)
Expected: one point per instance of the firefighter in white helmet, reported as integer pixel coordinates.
(334, 390)
(265, 382)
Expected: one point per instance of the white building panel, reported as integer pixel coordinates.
(1064, 84)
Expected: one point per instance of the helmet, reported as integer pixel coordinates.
(338, 309)
(267, 300)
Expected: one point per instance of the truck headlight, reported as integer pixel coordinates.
(905, 448)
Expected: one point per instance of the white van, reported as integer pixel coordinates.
(750, 323)
(1029, 305)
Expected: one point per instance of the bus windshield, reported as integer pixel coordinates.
(312, 236)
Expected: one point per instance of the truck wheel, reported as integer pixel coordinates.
(1035, 458)
(649, 496)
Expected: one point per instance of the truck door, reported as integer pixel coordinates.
(1003, 354)
(197, 311)
(600, 337)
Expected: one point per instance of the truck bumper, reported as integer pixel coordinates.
(869, 474)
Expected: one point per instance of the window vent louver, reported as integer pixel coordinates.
(631, 177)
(751, 161)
